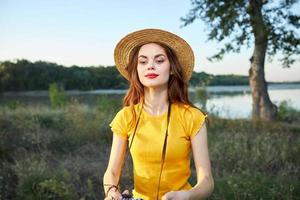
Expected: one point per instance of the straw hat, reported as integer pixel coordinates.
(181, 48)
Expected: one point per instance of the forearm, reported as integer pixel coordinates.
(109, 178)
(202, 190)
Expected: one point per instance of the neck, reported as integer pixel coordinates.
(156, 101)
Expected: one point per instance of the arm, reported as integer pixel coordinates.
(205, 182)
(114, 168)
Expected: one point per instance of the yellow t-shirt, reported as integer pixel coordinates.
(147, 146)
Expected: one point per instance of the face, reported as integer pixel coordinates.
(153, 66)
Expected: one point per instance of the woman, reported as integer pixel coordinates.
(158, 122)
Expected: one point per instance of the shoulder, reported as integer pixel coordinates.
(192, 118)
(187, 111)
(127, 112)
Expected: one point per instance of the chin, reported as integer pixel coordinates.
(154, 85)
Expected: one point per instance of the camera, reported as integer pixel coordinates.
(129, 197)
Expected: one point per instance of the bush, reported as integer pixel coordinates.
(287, 113)
(53, 189)
(8, 181)
(202, 96)
(254, 185)
(58, 97)
(63, 154)
(108, 104)
(39, 186)
(13, 105)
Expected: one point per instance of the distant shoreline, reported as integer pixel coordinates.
(210, 89)
(23, 75)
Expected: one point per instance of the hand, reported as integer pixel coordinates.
(115, 195)
(176, 195)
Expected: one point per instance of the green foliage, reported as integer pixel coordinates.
(14, 104)
(49, 151)
(53, 189)
(236, 23)
(201, 96)
(38, 181)
(254, 185)
(63, 153)
(252, 160)
(8, 180)
(108, 104)
(287, 113)
(200, 79)
(25, 75)
(229, 80)
(203, 79)
(58, 97)
(271, 147)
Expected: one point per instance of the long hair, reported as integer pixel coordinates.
(177, 86)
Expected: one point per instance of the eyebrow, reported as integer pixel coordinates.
(154, 56)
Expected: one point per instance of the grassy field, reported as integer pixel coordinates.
(62, 153)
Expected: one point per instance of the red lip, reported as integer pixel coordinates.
(151, 75)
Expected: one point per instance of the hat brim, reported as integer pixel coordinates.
(180, 47)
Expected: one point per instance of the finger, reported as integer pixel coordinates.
(125, 192)
(116, 196)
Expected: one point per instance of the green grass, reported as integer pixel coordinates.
(62, 153)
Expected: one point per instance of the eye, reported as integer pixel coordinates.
(142, 62)
(160, 61)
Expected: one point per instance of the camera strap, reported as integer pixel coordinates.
(164, 146)
(132, 137)
(164, 150)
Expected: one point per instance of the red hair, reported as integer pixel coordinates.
(177, 86)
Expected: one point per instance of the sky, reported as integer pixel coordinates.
(84, 33)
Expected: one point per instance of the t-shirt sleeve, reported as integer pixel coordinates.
(119, 125)
(196, 120)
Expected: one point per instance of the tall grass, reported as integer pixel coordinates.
(62, 153)
(254, 160)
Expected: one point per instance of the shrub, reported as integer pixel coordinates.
(287, 113)
(202, 96)
(58, 97)
(254, 185)
(13, 105)
(53, 189)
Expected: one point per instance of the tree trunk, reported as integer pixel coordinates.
(262, 107)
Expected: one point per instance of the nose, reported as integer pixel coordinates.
(151, 67)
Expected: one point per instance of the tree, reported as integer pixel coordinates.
(269, 26)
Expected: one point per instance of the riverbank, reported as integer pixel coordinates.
(62, 154)
(225, 101)
(209, 89)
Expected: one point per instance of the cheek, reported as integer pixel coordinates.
(140, 74)
(166, 69)
(139, 71)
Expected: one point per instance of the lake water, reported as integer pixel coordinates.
(236, 101)
(225, 101)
